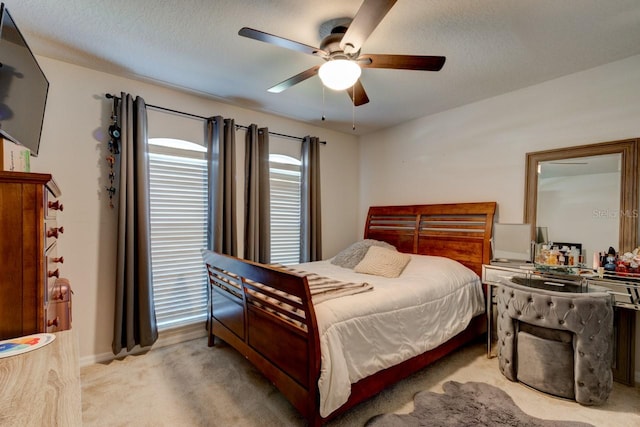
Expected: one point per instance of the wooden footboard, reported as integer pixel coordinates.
(275, 329)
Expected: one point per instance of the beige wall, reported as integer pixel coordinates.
(73, 149)
(477, 152)
(472, 153)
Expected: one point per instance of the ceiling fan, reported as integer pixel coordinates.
(341, 51)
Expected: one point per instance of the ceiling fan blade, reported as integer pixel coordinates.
(366, 20)
(402, 62)
(280, 41)
(360, 94)
(294, 80)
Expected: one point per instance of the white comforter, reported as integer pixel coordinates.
(433, 300)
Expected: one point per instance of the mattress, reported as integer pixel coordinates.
(433, 300)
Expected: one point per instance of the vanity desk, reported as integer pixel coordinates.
(624, 290)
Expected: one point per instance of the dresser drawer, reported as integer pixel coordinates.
(501, 275)
(59, 307)
(52, 205)
(53, 269)
(52, 232)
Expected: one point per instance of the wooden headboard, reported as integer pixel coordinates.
(459, 231)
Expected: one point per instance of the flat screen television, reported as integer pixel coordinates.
(23, 87)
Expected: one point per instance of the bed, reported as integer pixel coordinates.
(269, 315)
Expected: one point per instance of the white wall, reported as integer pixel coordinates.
(74, 148)
(477, 152)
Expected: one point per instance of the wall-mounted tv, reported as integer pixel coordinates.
(23, 87)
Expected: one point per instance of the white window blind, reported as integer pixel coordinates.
(284, 179)
(178, 194)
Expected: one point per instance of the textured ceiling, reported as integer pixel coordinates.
(492, 47)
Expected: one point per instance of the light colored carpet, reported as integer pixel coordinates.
(190, 384)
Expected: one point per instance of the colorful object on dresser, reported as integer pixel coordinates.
(15, 346)
(612, 261)
(14, 157)
(560, 254)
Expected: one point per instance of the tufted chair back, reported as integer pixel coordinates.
(555, 325)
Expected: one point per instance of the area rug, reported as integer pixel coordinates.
(468, 404)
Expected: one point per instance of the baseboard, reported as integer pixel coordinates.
(181, 334)
(166, 337)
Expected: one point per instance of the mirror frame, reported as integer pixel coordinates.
(629, 176)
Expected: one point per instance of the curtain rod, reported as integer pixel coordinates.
(238, 126)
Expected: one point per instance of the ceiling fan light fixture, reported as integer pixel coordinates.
(339, 74)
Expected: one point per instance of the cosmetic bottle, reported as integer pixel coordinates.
(574, 255)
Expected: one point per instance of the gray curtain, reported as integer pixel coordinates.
(135, 318)
(221, 156)
(311, 224)
(257, 214)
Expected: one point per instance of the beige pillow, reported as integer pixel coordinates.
(351, 256)
(381, 261)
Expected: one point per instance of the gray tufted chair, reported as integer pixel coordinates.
(556, 342)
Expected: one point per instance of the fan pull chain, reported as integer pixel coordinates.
(323, 118)
(353, 108)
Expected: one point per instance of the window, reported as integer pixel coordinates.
(284, 178)
(178, 194)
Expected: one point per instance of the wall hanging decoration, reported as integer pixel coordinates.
(114, 149)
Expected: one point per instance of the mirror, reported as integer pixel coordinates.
(586, 194)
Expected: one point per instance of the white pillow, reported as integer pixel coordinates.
(383, 262)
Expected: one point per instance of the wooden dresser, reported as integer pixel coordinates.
(28, 253)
